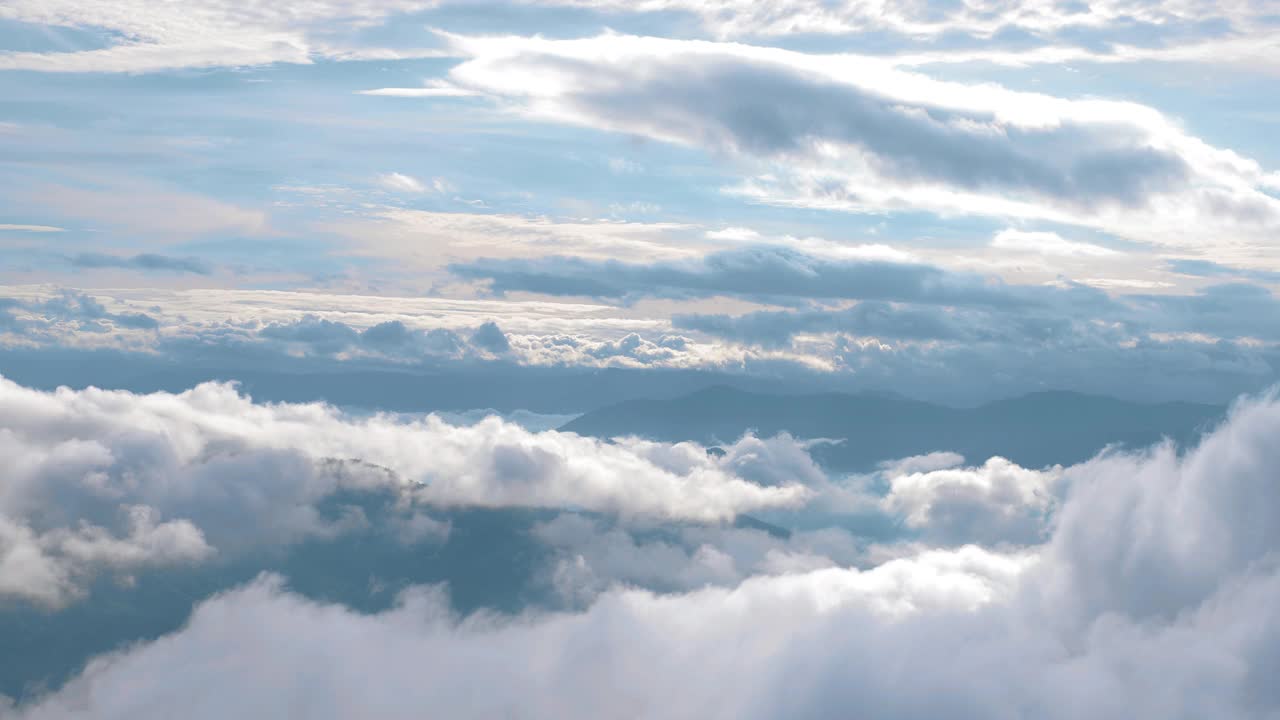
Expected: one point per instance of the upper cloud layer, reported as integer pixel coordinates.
(850, 133)
(209, 33)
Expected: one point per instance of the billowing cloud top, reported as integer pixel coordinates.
(983, 630)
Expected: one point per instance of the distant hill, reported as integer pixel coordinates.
(1033, 430)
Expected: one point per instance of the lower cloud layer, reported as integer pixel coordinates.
(1152, 593)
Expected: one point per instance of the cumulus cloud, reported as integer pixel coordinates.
(491, 338)
(50, 568)
(1154, 596)
(318, 337)
(1177, 526)
(235, 476)
(72, 310)
(996, 502)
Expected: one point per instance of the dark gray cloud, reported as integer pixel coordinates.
(73, 307)
(770, 109)
(392, 339)
(392, 333)
(490, 337)
(1208, 268)
(1231, 310)
(763, 273)
(143, 261)
(872, 317)
(1206, 346)
(324, 336)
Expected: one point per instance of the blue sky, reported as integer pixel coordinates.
(1106, 168)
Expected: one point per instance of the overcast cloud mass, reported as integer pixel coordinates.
(639, 359)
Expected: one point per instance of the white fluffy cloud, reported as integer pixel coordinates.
(1047, 243)
(632, 654)
(1156, 596)
(998, 501)
(229, 474)
(50, 568)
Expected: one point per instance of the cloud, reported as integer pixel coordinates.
(760, 272)
(143, 261)
(491, 338)
(209, 33)
(996, 502)
(234, 476)
(871, 318)
(1237, 310)
(420, 92)
(80, 311)
(50, 568)
(1157, 534)
(1207, 346)
(401, 233)
(397, 182)
(986, 20)
(872, 138)
(147, 209)
(30, 228)
(1015, 34)
(592, 556)
(401, 183)
(1047, 243)
(1207, 268)
(392, 340)
(1154, 596)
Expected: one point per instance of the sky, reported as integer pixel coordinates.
(957, 201)
(295, 297)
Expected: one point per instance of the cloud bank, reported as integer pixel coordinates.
(109, 481)
(849, 133)
(1153, 596)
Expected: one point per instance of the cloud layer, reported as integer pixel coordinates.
(1154, 596)
(849, 133)
(111, 480)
